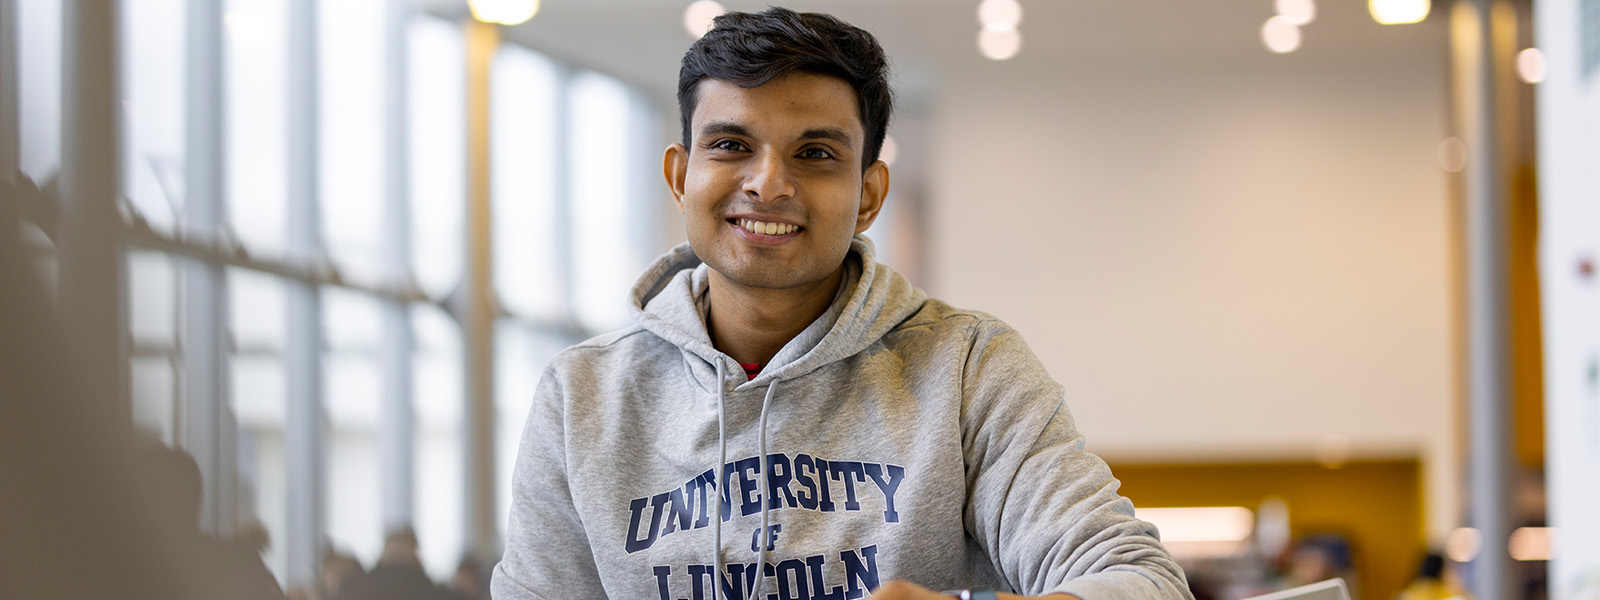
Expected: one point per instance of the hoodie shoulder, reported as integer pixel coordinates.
(938, 313)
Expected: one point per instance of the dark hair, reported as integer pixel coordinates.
(751, 49)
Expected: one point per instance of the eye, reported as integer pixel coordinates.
(815, 152)
(728, 145)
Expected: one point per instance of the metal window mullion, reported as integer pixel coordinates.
(306, 430)
(398, 435)
(1488, 318)
(205, 431)
(10, 98)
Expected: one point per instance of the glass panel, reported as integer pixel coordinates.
(600, 146)
(440, 462)
(353, 395)
(438, 152)
(152, 331)
(520, 356)
(153, 109)
(152, 300)
(39, 88)
(152, 382)
(257, 124)
(527, 275)
(258, 393)
(258, 312)
(350, 88)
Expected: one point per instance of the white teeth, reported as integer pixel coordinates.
(767, 228)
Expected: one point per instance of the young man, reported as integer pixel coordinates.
(790, 419)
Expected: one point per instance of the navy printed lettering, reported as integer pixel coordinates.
(661, 580)
(851, 472)
(802, 481)
(793, 579)
(695, 573)
(740, 582)
(808, 498)
(749, 497)
(702, 488)
(824, 504)
(814, 564)
(778, 475)
(802, 591)
(862, 577)
(888, 486)
(727, 492)
(636, 506)
(678, 514)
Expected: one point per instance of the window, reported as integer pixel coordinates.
(332, 402)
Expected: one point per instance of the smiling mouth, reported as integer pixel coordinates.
(765, 228)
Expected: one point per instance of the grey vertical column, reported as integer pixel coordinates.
(10, 128)
(92, 292)
(204, 395)
(10, 131)
(476, 306)
(1488, 323)
(399, 412)
(306, 429)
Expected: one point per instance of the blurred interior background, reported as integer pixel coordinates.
(1318, 276)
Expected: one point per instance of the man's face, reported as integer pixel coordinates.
(772, 187)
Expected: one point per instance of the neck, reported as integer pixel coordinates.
(753, 324)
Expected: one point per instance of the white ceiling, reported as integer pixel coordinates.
(931, 43)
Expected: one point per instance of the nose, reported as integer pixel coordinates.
(768, 178)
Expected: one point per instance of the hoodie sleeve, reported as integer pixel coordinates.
(1043, 508)
(547, 551)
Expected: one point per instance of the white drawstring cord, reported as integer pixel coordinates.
(766, 534)
(721, 481)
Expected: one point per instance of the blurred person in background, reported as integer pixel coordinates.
(1321, 557)
(398, 574)
(470, 580)
(857, 433)
(1430, 582)
(336, 572)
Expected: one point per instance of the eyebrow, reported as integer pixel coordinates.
(724, 128)
(827, 133)
(816, 133)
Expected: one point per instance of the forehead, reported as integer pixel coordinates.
(796, 101)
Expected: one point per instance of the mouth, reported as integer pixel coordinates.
(765, 228)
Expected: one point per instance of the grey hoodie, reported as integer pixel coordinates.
(902, 439)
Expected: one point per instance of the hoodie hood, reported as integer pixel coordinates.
(669, 300)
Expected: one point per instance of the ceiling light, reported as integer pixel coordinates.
(1280, 35)
(1299, 12)
(999, 14)
(1462, 544)
(999, 44)
(700, 16)
(504, 12)
(1530, 543)
(1530, 65)
(1398, 12)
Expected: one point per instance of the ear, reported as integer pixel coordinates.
(675, 168)
(874, 187)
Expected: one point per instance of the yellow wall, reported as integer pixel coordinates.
(1377, 505)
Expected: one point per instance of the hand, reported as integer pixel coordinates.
(905, 590)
